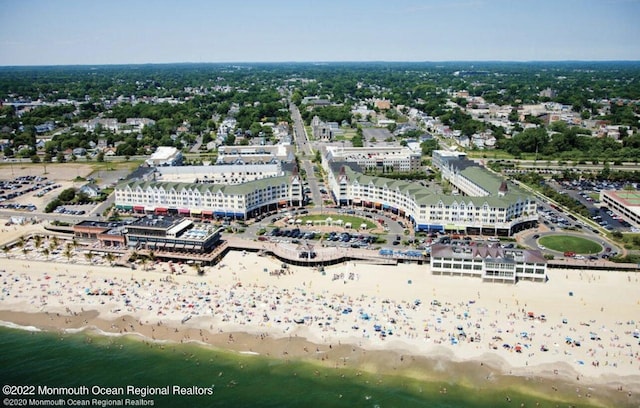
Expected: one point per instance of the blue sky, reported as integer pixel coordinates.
(47, 32)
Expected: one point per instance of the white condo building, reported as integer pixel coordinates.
(211, 199)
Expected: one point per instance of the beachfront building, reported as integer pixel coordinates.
(161, 233)
(625, 203)
(379, 159)
(490, 263)
(504, 212)
(209, 199)
(255, 154)
(110, 234)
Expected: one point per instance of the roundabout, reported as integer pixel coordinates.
(570, 243)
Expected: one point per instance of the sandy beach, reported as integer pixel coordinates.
(577, 333)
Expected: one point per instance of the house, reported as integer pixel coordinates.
(79, 151)
(45, 127)
(382, 104)
(90, 190)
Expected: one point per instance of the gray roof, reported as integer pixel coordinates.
(490, 252)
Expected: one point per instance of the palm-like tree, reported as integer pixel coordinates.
(46, 253)
(110, 258)
(143, 261)
(6, 250)
(67, 252)
(88, 256)
(38, 241)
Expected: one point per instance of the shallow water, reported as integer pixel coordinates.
(83, 359)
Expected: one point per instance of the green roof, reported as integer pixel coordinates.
(423, 196)
(213, 188)
(483, 178)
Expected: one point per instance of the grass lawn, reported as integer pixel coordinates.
(563, 243)
(355, 221)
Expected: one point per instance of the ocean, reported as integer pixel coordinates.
(138, 373)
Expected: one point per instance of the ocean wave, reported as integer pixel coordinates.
(100, 332)
(12, 325)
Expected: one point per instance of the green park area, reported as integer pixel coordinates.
(570, 243)
(338, 220)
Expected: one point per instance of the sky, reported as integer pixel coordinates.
(66, 32)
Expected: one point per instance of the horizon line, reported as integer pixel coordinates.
(320, 62)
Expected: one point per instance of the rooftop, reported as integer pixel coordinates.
(629, 198)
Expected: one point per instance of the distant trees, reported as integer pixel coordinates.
(201, 94)
(328, 114)
(428, 146)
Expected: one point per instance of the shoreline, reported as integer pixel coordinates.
(439, 368)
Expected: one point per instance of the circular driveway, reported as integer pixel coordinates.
(531, 239)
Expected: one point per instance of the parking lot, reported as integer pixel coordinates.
(583, 191)
(18, 193)
(31, 187)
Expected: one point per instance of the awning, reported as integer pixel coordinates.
(239, 215)
(183, 211)
(149, 209)
(138, 207)
(161, 210)
(179, 246)
(207, 212)
(229, 214)
(450, 227)
(196, 212)
(170, 245)
(127, 207)
(357, 201)
(219, 213)
(282, 202)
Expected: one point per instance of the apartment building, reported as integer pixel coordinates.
(396, 159)
(207, 200)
